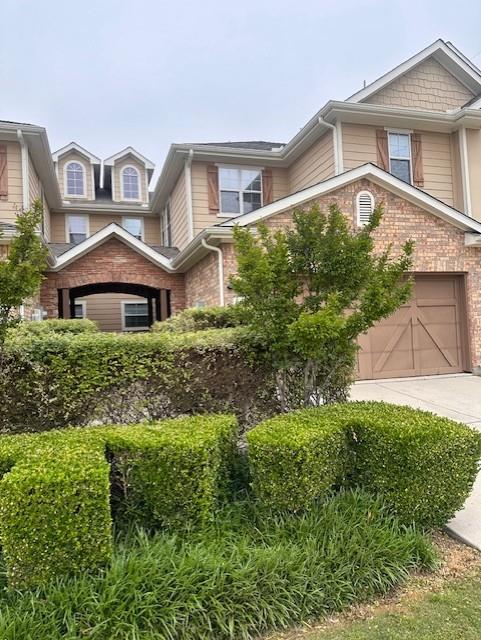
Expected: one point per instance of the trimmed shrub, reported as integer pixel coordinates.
(423, 465)
(201, 318)
(171, 472)
(56, 380)
(296, 458)
(43, 327)
(243, 576)
(55, 492)
(54, 509)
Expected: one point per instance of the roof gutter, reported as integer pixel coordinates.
(24, 158)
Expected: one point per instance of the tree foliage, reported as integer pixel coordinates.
(21, 271)
(310, 290)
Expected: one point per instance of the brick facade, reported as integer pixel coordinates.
(111, 262)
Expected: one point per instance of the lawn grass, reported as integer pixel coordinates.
(444, 609)
(244, 575)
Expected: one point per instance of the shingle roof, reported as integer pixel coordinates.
(259, 145)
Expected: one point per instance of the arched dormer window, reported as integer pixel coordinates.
(364, 207)
(74, 179)
(130, 183)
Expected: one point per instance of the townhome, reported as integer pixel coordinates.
(126, 256)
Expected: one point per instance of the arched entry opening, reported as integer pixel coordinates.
(158, 300)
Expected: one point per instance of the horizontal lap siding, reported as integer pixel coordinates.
(178, 214)
(314, 165)
(13, 202)
(98, 221)
(106, 309)
(358, 144)
(437, 165)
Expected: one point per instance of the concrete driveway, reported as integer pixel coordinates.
(456, 396)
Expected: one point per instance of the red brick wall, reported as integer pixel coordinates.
(439, 245)
(202, 282)
(111, 262)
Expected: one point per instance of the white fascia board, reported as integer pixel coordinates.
(439, 47)
(112, 230)
(73, 146)
(376, 175)
(130, 151)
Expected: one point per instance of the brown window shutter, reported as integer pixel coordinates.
(3, 171)
(382, 149)
(213, 188)
(417, 157)
(267, 186)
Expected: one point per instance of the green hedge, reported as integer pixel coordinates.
(202, 318)
(43, 327)
(296, 458)
(56, 380)
(173, 474)
(55, 490)
(423, 465)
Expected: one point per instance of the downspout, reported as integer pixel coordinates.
(188, 192)
(220, 269)
(24, 157)
(336, 142)
(463, 144)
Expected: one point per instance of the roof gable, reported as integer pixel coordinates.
(130, 151)
(73, 146)
(443, 53)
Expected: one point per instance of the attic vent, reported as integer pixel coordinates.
(365, 207)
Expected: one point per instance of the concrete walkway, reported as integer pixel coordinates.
(455, 396)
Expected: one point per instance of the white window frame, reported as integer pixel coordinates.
(83, 304)
(241, 167)
(124, 304)
(67, 225)
(136, 169)
(403, 132)
(358, 212)
(163, 226)
(124, 218)
(84, 179)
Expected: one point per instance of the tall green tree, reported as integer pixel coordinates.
(310, 290)
(21, 271)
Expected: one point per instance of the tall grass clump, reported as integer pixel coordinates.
(241, 576)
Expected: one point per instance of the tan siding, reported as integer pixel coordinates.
(473, 139)
(74, 156)
(152, 230)
(280, 183)
(117, 171)
(13, 202)
(98, 221)
(106, 309)
(358, 145)
(314, 165)
(178, 214)
(458, 199)
(33, 183)
(47, 224)
(429, 86)
(200, 200)
(437, 165)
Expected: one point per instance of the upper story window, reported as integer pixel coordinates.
(77, 229)
(166, 229)
(130, 183)
(400, 164)
(240, 190)
(75, 179)
(134, 226)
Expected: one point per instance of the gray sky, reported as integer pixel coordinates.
(112, 73)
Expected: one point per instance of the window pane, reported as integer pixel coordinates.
(130, 183)
(229, 179)
(76, 238)
(230, 202)
(399, 145)
(79, 311)
(251, 180)
(75, 179)
(77, 227)
(401, 169)
(252, 201)
(136, 315)
(133, 226)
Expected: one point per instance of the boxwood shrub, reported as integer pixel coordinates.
(56, 380)
(24, 329)
(296, 458)
(201, 318)
(55, 489)
(423, 465)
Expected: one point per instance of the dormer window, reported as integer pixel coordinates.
(75, 179)
(130, 183)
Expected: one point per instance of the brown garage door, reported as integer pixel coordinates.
(426, 336)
